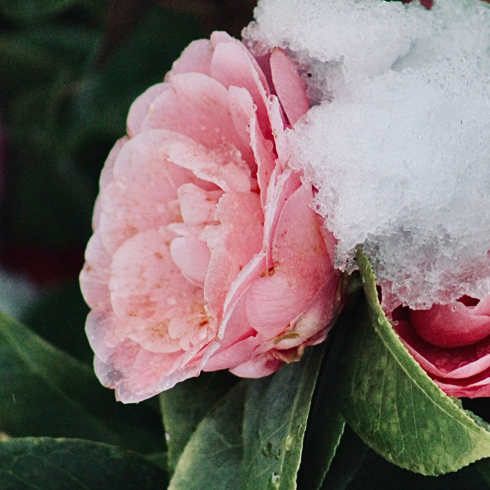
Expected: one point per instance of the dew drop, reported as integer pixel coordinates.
(275, 481)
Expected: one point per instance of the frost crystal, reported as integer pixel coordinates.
(398, 142)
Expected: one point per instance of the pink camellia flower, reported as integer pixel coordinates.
(451, 343)
(206, 253)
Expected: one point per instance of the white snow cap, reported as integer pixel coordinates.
(398, 143)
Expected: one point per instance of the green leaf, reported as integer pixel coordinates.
(64, 464)
(349, 457)
(31, 10)
(185, 405)
(212, 460)
(276, 413)
(393, 405)
(45, 392)
(325, 422)
(322, 441)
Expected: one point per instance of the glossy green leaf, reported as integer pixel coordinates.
(64, 464)
(45, 392)
(276, 414)
(31, 10)
(185, 405)
(393, 405)
(212, 460)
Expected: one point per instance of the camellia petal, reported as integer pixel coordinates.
(288, 86)
(452, 325)
(206, 254)
(196, 58)
(451, 343)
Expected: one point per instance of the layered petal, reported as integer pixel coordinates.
(206, 254)
(232, 243)
(451, 343)
(289, 86)
(197, 106)
(451, 325)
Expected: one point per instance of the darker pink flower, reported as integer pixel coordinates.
(451, 343)
(206, 254)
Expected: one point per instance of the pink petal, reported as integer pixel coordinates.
(301, 266)
(451, 325)
(233, 356)
(235, 299)
(94, 277)
(153, 292)
(144, 186)
(107, 174)
(197, 206)
(233, 65)
(311, 325)
(100, 333)
(140, 108)
(277, 124)
(137, 374)
(218, 37)
(238, 343)
(475, 387)
(289, 87)
(482, 308)
(258, 367)
(245, 118)
(456, 363)
(238, 351)
(224, 168)
(232, 243)
(192, 257)
(196, 58)
(282, 186)
(106, 177)
(198, 107)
